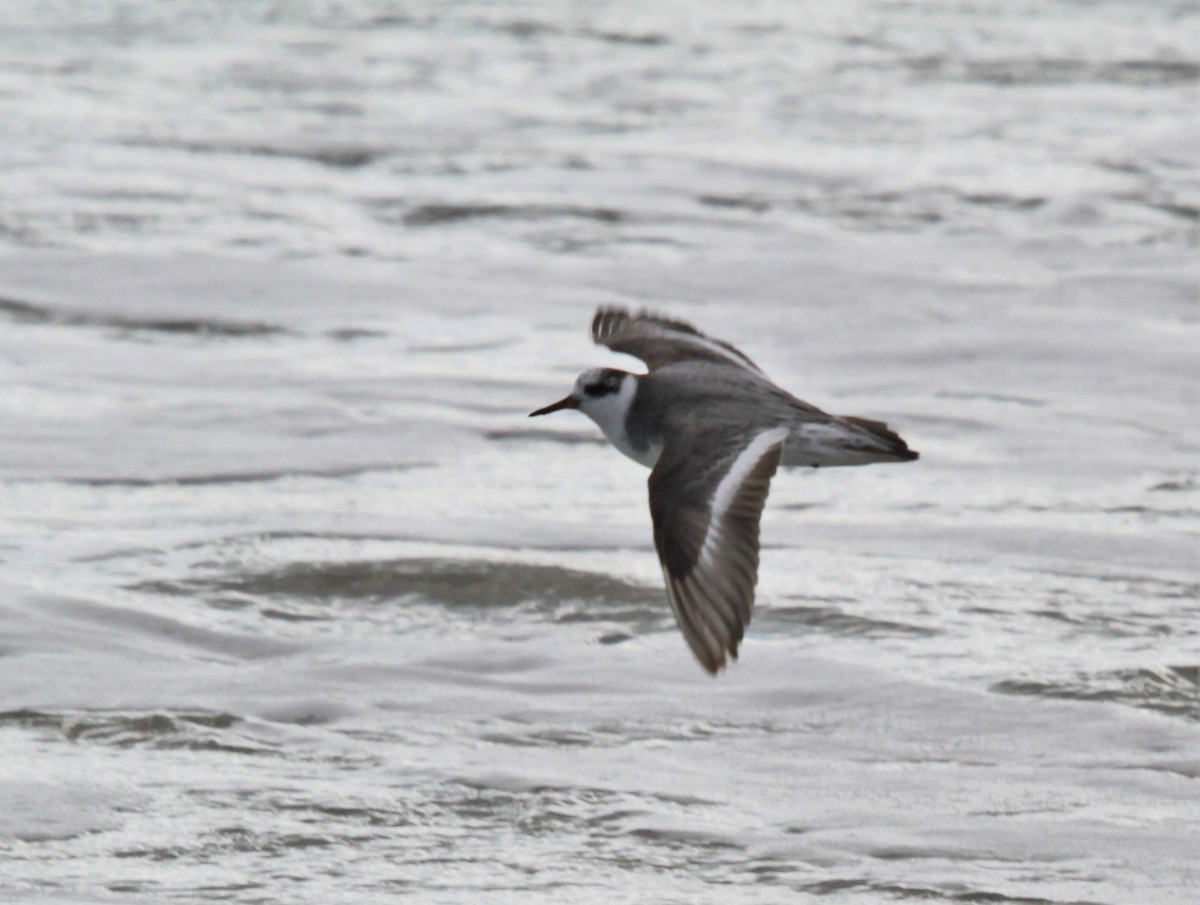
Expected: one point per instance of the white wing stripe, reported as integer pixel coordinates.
(727, 491)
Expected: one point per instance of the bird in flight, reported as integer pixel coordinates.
(713, 429)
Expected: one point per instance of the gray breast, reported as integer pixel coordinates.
(644, 422)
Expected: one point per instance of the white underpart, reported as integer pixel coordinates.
(727, 490)
(609, 413)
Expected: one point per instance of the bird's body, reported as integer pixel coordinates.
(713, 429)
(648, 408)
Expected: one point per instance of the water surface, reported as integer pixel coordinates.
(296, 605)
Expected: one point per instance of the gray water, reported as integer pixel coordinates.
(297, 606)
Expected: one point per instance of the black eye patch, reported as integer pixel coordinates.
(609, 382)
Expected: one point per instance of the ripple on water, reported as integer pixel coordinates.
(27, 313)
(463, 830)
(302, 591)
(1173, 690)
(622, 733)
(161, 730)
(836, 621)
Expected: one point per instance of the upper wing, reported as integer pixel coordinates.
(661, 341)
(707, 492)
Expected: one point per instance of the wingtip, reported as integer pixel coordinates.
(602, 320)
(716, 664)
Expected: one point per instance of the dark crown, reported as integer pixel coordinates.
(607, 381)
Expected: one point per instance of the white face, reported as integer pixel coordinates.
(604, 395)
(598, 384)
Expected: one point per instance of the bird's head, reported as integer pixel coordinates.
(603, 394)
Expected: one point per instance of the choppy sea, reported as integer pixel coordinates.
(297, 606)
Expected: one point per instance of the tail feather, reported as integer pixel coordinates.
(895, 443)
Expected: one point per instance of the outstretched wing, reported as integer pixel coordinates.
(661, 341)
(707, 492)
